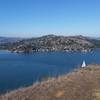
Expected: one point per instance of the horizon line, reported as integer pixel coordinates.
(47, 35)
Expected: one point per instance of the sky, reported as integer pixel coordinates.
(32, 18)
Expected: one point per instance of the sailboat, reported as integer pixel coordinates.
(83, 64)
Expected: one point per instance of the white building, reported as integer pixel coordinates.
(83, 64)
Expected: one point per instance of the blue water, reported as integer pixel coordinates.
(19, 70)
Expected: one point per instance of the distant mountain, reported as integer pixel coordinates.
(54, 43)
(98, 38)
(8, 40)
(50, 43)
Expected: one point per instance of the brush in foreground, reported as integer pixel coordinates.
(83, 84)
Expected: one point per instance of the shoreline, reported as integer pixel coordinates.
(61, 87)
(84, 51)
(43, 80)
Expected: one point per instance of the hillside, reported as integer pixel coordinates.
(7, 42)
(50, 43)
(83, 84)
(54, 43)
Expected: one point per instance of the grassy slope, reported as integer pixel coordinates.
(83, 84)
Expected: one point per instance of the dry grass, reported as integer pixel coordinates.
(96, 94)
(60, 93)
(83, 84)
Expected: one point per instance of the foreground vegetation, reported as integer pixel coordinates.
(83, 84)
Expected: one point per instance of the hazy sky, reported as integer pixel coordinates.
(29, 18)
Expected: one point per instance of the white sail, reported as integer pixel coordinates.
(83, 64)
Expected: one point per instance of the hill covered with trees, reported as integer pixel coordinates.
(52, 43)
